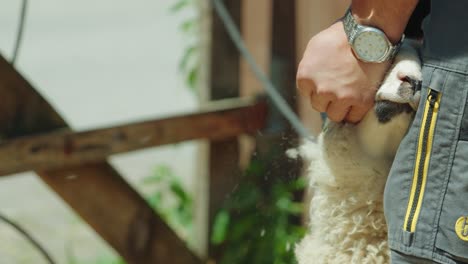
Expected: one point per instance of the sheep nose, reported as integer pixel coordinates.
(414, 83)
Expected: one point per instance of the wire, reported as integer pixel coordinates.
(278, 101)
(19, 33)
(22, 231)
(29, 238)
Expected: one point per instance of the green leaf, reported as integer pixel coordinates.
(220, 227)
(255, 168)
(179, 192)
(188, 25)
(296, 208)
(287, 206)
(71, 258)
(162, 174)
(189, 52)
(152, 180)
(179, 5)
(192, 78)
(299, 184)
(246, 197)
(164, 171)
(155, 200)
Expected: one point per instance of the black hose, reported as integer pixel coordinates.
(29, 238)
(19, 33)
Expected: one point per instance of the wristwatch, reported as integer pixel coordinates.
(369, 44)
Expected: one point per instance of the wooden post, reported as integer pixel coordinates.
(256, 26)
(278, 58)
(256, 18)
(224, 83)
(283, 74)
(96, 192)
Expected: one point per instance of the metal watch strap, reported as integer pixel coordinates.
(350, 25)
(395, 48)
(351, 28)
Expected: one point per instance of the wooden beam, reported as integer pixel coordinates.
(66, 148)
(118, 214)
(96, 192)
(22, 110)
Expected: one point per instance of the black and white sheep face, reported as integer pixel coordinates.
(400, 91)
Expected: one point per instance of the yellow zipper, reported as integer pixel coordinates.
(423, 155)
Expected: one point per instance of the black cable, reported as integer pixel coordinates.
(19, 33)
(270, 89)
(29, 238)
(22, 231)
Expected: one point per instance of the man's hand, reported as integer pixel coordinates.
(335, 80)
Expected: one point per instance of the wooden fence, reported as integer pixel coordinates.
(35, 137)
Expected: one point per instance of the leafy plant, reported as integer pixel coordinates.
(255, 224)
(190, 64)
(170, 199)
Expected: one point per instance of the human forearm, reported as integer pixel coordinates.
(333, 78)
(391, 16)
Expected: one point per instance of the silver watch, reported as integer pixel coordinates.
(369, 44)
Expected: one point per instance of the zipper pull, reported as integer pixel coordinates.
(432, 97)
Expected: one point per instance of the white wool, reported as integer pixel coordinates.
(347, 173)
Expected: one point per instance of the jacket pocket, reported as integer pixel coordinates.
(452, 230)
(452, 233)
(464, 125)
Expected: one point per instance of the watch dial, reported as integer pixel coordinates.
(370, 45)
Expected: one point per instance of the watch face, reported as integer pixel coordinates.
(371, 45)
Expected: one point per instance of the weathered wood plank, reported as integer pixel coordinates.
(223, 165)
(256, 27)
(118, 214)
(22, 110)
(66, 148)
(96, 192)
(284, 57)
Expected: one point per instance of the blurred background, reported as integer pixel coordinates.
(109, 63)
